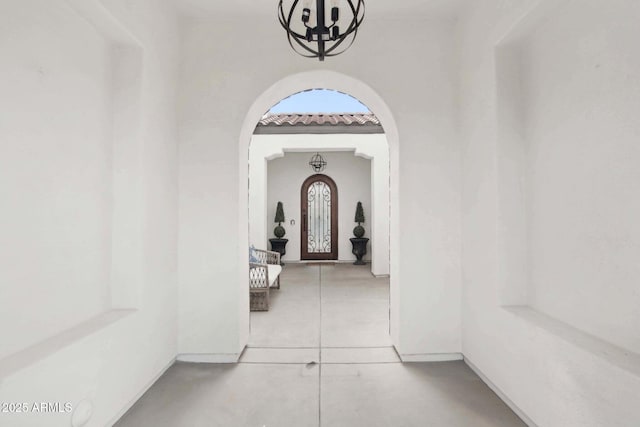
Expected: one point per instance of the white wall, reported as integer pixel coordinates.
(567, 196)
(55, 178)
(352, 176)
(218, 88)
(582, 91)
(548, 90)
(89, 186)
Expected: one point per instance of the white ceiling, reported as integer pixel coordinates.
(375, 9)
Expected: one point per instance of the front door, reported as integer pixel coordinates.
(319, 213)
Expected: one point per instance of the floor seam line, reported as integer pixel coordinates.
(320, 348)
(328, 347)
(324, 363)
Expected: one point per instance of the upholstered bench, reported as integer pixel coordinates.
(264, 274)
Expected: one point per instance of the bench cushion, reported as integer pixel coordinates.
(274, 272)
(252, 255)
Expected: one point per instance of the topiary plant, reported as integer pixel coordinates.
(279, 231)
(358, 231)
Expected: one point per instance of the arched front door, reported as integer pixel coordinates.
(319, 213)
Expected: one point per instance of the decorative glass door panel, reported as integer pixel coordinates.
(319, 218)
(319, 212)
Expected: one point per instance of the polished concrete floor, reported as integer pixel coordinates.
(321, 356)
(325, 306)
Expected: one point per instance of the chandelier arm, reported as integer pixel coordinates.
(281, 16)
(286, 24)
(305, 47)
(352, 29)
(332, 48)
(296, 35)
(337, 44)
(355, 23)
(293, 8)
(293, 36)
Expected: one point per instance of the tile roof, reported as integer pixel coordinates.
(319, 119)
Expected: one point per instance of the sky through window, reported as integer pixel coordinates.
(319, 101)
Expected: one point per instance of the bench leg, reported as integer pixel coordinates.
(260, 300)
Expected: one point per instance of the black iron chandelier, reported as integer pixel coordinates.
(317, 163)
(314, 38)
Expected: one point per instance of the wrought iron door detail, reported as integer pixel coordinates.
(319, 213)
(319, 218)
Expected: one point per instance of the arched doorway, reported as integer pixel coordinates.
(356, 88)
(319, 213)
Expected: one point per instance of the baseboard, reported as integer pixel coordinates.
(208, 357)
(430, 357)
(500, 394)
(138, 395)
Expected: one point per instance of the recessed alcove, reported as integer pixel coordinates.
(78, 262)
(567, 154)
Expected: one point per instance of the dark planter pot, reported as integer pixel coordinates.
(280, 246)
(359, 248)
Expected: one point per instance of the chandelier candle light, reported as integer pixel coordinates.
(317, 39)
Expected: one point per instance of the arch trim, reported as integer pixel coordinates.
(322, 79)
